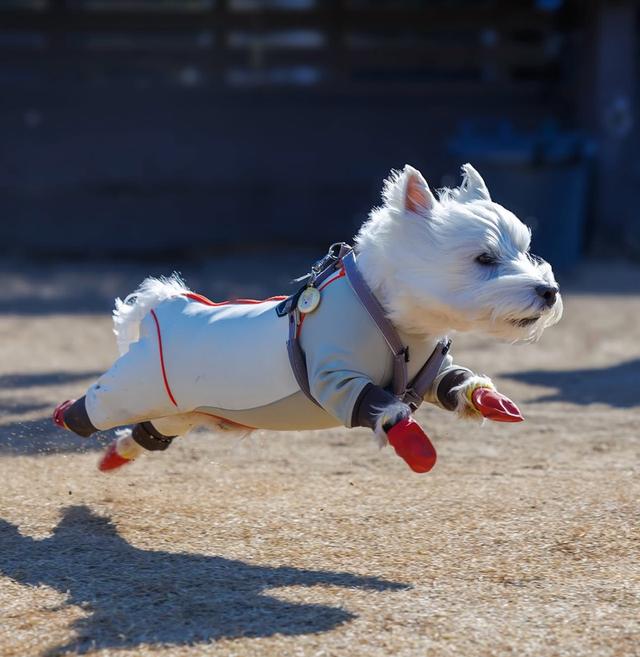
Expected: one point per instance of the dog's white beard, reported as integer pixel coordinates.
(505, 326)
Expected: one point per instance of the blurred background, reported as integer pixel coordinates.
(184, 129)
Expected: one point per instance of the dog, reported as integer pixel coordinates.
(349, 349)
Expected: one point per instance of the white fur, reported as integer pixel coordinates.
(422, 263)
(464, 408)
(391, 414)
(128, 314)
(126, 446)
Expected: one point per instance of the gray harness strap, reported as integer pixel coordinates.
(320, 271)
(296, 356)
(411, 393)
(374, 308)
(423, 380)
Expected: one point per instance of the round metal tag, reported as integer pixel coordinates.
(309, 300)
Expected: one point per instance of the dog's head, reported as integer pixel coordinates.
(456, 262)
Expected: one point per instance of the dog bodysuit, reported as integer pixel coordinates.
(194, 358)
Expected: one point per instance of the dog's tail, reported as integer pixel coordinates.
(128, 314)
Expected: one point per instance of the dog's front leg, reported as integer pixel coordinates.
(335, 387)
(472, 396)
(392, 422)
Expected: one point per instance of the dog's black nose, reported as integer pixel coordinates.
(548, 293)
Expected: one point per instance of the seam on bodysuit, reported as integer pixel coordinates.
(164, 372)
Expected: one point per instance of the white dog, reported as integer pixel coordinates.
(349, 348)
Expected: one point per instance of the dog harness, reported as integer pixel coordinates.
(342, 257)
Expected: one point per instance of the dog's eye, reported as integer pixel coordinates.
(535, 259)
(486, 259)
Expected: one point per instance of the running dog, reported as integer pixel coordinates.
(362, 343)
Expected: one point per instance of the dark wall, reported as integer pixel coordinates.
(171, 131)
(165, 170)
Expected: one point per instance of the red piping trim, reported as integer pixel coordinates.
(331, 280)
(241, 302)
(164, 372)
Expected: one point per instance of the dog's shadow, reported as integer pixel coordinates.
(616, 385)
(136, 596)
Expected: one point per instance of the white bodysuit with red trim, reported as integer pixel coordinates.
(230, 361)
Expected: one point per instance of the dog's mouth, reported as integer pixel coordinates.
(525, 321)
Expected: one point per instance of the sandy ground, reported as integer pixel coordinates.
(523, 541)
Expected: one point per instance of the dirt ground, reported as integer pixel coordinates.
(523, 541)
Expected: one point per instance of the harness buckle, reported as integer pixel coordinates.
(332, 256)
(336, 251)
(412, 399)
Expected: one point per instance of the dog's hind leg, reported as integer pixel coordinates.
(133, 390)
(72, 415)
(155, 435)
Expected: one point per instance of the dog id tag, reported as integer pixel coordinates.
(309, 300)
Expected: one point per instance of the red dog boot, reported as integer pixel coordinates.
(495, 406)
(58, 414)
(412, 444)
(123, 450)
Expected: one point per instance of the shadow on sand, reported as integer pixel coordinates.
(136, 596)
(616, 386)
(39, 379)
(40, 436)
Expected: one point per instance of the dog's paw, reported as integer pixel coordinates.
(478, 399)
(495, 406)
(465, 408)
(412, 445)
(389, 416)
(124, 449)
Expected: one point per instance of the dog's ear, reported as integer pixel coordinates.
(473, 187)
(407, 190)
